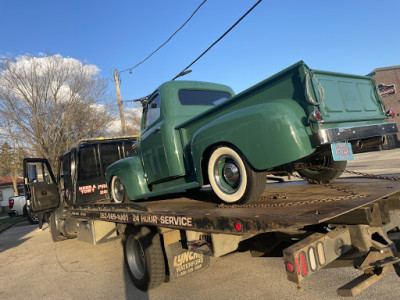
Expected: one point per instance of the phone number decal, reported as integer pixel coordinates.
(148, 218)
(114, 217)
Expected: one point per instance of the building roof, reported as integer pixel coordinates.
(7, 180)
(386, 69)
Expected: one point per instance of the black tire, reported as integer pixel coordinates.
(232, 179)
(32, 218)
(56, 235)
(118, 191)
(144, 257)
(324, 175)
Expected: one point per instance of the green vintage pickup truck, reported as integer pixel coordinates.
(198, 133)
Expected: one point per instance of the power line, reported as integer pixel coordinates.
(186, 71)
(151, 54)
(220, 38)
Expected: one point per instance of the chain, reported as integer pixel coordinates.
(330, 186)
(367, 175)
(373, 176)
(297, 203)
(350, 195)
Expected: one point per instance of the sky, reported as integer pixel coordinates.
(349, 36)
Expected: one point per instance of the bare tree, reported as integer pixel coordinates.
(133, 119)
(49, 103)
(133, 116)
(11, 161)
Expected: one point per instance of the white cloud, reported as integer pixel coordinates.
(41, 68)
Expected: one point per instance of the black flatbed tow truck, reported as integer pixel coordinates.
(351, 222)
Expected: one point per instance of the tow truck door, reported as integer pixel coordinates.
(40, 186)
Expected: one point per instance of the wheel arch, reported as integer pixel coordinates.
(278, 127)
(207, 154)
(131, 173)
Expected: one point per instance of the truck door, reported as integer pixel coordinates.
(151, 144)
(40, 185)
(90, 181)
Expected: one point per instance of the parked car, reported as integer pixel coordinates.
(18, 208)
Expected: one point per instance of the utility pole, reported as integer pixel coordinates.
(121, 110)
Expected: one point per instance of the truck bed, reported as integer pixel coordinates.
(288, 205)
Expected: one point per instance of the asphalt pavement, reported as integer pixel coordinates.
(32, 266)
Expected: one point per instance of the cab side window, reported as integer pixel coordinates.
(109, 154)
(152, 111)
(66, 181)
(38, 172)
(88, 163)
(129, 148)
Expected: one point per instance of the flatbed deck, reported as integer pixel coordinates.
(285, 205)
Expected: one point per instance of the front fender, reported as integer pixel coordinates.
(268, 134)
(131, 173)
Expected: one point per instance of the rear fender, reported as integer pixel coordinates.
(267, 135)
(130, 171)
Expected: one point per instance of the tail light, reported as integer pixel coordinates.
(289, 267)
(316, 116)
(11, 203)
(303, 264)
(238, 226)
(315, 252)
(390, 113)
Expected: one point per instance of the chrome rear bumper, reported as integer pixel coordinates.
(341, 134)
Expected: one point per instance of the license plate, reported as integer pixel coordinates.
(342, 151)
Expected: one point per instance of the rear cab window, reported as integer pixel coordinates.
(202, 97)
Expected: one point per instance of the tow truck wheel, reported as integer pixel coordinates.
(144, 258)
(56, 235)
(232, 179)
(321, 174)
(118, 192)
(33, 219)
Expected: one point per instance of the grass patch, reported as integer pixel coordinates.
(13, 220)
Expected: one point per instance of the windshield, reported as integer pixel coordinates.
(202, 97)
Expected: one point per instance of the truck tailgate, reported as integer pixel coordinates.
(348, 97)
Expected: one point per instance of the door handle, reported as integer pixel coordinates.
(44, 193)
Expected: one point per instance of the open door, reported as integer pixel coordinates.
(40, 186)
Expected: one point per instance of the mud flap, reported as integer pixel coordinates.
(182, 262)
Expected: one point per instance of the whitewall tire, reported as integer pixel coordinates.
(232, 179)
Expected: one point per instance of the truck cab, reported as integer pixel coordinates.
(80, 175)
(161, 147)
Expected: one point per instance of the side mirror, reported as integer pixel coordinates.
(32, 173)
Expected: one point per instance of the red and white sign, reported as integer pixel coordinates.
(386, 90)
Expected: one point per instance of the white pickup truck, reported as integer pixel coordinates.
(17, 206)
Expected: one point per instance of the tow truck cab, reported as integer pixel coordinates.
(80, 175)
